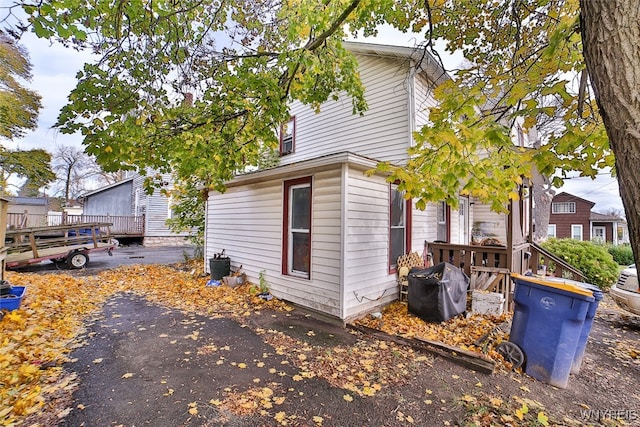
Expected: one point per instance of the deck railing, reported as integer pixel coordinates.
(466, 256)
(123, 226)
(520, 259)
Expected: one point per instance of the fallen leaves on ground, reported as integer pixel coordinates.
(483, 409)
(37, 338)
(627, 351)
(459, 331)
(363, 367)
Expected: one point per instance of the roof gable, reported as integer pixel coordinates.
(422, 58)
(107, 187)
(568, 197)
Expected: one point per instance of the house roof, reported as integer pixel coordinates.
(424, 60)
(595, 216)
(31, 201)
(572, 197)
(107, 187)
(316, 163)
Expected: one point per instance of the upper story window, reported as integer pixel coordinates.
(171, 204)
(520, 136)
(551, 230)
(563, 207)
(288, 137)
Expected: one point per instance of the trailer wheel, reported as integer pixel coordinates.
(512, 353)
(60, 263)
(77, 260)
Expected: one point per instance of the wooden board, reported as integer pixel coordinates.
(468, 359)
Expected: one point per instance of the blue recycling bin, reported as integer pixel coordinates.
(588, 321)
(548, 319)
(586, 328)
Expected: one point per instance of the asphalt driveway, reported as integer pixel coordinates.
(150, 365)
(123, 255)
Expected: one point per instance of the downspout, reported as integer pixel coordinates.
(344, 202)
(411, 102)
(206, 232)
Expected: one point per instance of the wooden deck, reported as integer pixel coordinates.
(489, 267)
(121, 226)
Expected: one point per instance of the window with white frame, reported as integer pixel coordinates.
(288, 137)
(171, 204)
(576, 231)
(563, 207)
(399, 225)
(297, 232)
(442, 217)
(551, 230)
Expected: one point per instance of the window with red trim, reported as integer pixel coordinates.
(296, 260)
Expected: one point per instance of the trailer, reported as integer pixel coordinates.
(65, 245)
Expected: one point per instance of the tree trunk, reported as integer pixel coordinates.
(611, 44)
(542, 198)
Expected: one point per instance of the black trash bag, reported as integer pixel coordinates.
(437, 293)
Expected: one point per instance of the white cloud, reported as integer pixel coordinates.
(54, 76)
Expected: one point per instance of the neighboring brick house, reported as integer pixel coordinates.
(609, 228)
(571, 217)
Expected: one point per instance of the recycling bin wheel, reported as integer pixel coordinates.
(511, 353)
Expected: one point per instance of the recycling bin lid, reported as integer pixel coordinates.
(597, 292)
(556, 282)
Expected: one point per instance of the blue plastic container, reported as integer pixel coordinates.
(586, 328)
(547, 323)
(14, 299)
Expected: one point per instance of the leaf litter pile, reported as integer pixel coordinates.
(37, 339)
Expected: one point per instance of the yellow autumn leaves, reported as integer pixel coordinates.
(459, 331)
(36, 339)
(490, 410)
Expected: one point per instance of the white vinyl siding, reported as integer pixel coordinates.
(155, 208)
(382, 133)
(247, 222)
(423, 100)
(368, 283)
(349, 235)
(423, 226)
(487, 223)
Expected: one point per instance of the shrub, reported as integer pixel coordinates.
(593, 260)
(622, 254)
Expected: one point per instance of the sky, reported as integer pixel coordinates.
(55, 68)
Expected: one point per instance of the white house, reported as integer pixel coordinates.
(324, 234)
